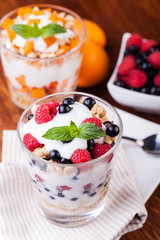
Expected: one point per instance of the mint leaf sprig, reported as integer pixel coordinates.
(27, 31)
(66, 133)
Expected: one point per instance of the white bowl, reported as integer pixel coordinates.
(140, 101)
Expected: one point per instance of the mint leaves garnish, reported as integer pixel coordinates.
(65, 133)
(51, 29)
(27, 31)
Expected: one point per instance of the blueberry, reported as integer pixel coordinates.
(151, 73)
(67, 141)
(112, 144)
(144, 90)
(33, 162)
(100, 185)
(89, 102)
(154, 48)
(86, 191)
(47, 189)
(92, 194)
(120, 83)
(65, 161)
(133, 89)
(155, 91)
(139, 61)
(75, 178)
(64, 108)
(146, 66)
(112, 130)
(90, 144)
(68, 101)
(133, 49)
(55, 155)
(74, 199)
(47, 159)
(127, 52)
(52, 197)
(34, 181)
(107, 123)
(105, 184)
(39, 190)
(145, 55)
(60, 194)
(30, 117)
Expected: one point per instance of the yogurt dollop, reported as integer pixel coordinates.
(78, 113)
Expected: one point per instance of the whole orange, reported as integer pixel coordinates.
(95, 65)
(95, 33)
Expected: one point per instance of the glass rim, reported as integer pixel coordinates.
(56, 7)
(79, 164)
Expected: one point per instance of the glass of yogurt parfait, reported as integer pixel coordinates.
(70, 141)
(41, 51)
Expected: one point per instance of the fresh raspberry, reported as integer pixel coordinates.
(135, 39)
(154, 59)
(137, 78)
(157, 80)
(128, 63)
(99, 150)
(109, 158)
(54, 103)
(31, 142)
(64, 187)
(81, 156)
(148, 44)
(88, 186)
(39, 178)
(45, 113)
(94, 120)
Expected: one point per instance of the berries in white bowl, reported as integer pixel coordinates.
(135, 81)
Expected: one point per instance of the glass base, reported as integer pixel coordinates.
(72, 220)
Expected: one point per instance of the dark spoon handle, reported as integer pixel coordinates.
(129, 138)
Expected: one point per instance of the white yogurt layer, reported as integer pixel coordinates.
(96, 176)
(42, 77)
(78, 113)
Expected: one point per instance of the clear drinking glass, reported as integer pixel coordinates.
(31, 78)
(71, 194)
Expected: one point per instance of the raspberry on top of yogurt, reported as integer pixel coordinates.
(69, 132)
(39, 33)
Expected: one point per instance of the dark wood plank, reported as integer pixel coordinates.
(115, 17)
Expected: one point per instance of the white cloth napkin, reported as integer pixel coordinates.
(20, 217)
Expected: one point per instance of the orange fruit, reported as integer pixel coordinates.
(95, 33)
(95, 65)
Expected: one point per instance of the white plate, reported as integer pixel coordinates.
(145, 167)
(140, 101)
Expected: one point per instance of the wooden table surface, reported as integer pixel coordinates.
(115, 17)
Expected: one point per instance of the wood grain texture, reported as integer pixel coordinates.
(115, 17)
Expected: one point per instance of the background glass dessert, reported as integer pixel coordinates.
(36, 67)
(71, 194)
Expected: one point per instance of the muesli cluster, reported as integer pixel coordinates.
(70, 133)
(34, 57)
